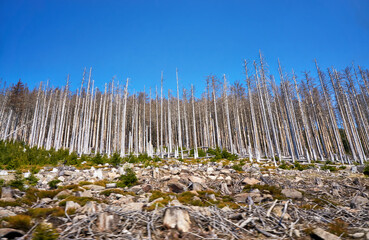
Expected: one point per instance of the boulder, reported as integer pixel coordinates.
(7, 194)
(111, 185)
(10, 233)
(132, 206)
(147, 188)
(176, 186)
(197, 186)
(71, 205)
(360, 168)
(291, 193)
(242, 197)
(195, 179)
(91, 207)
(177, 218)
(6, 213)
(94, 188)
(135, 189)
(98, 174)
(86, 193)
(357, 235)
(321, 234)
(46, 200)
(358, 201)
(250, 181)
(63, 193)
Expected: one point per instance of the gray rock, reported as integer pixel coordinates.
(7, 193)
(357, 235)
(195, 179)
(46, 200)
(358, 201)
(6, 213)
(291, 193)
(72, 205)
(197, 186)
(176, 187)
(242, 197)
(135, 189)
(147, 188)
(94, 188)
(177, 218)
(63, 193)
(133, 206)
(250, 181)
(111, 185)
(360, 168)
(324, 235)
(91, 207)
(212, 197)
(68, 173)
(86, 193)
(9, 233)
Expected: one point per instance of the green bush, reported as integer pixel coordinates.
(129, 179)
(22, 222)
(115, 160)
(366, 170)
(237, 167)
(53, 184)
(330, 168)
(222, 154)
(18, 182)
(97, 159)
(200, 152)
(2, 182)
(32, 180)
(45, 232)
(285, 166)
(72, 159)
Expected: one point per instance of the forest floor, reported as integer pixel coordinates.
(188, 199)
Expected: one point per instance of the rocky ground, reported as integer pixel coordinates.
(188, 200)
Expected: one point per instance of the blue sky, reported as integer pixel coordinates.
(42, 40)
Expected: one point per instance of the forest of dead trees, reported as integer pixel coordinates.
(311, 116)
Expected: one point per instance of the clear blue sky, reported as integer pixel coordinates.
(42, 40)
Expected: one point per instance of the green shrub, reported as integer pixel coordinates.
(129, 179)
(284, 165)
(53, 184)
(45, 232)
(97, 159)
(237, 167)
(330, 168)
(2, 183)
(32, 180)
(22, 222)
(115, 160)
(156, 159)
(72, 159)
(34, 170)
(18, 182)
(366, 170)
(200, 152)
(222, 154)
